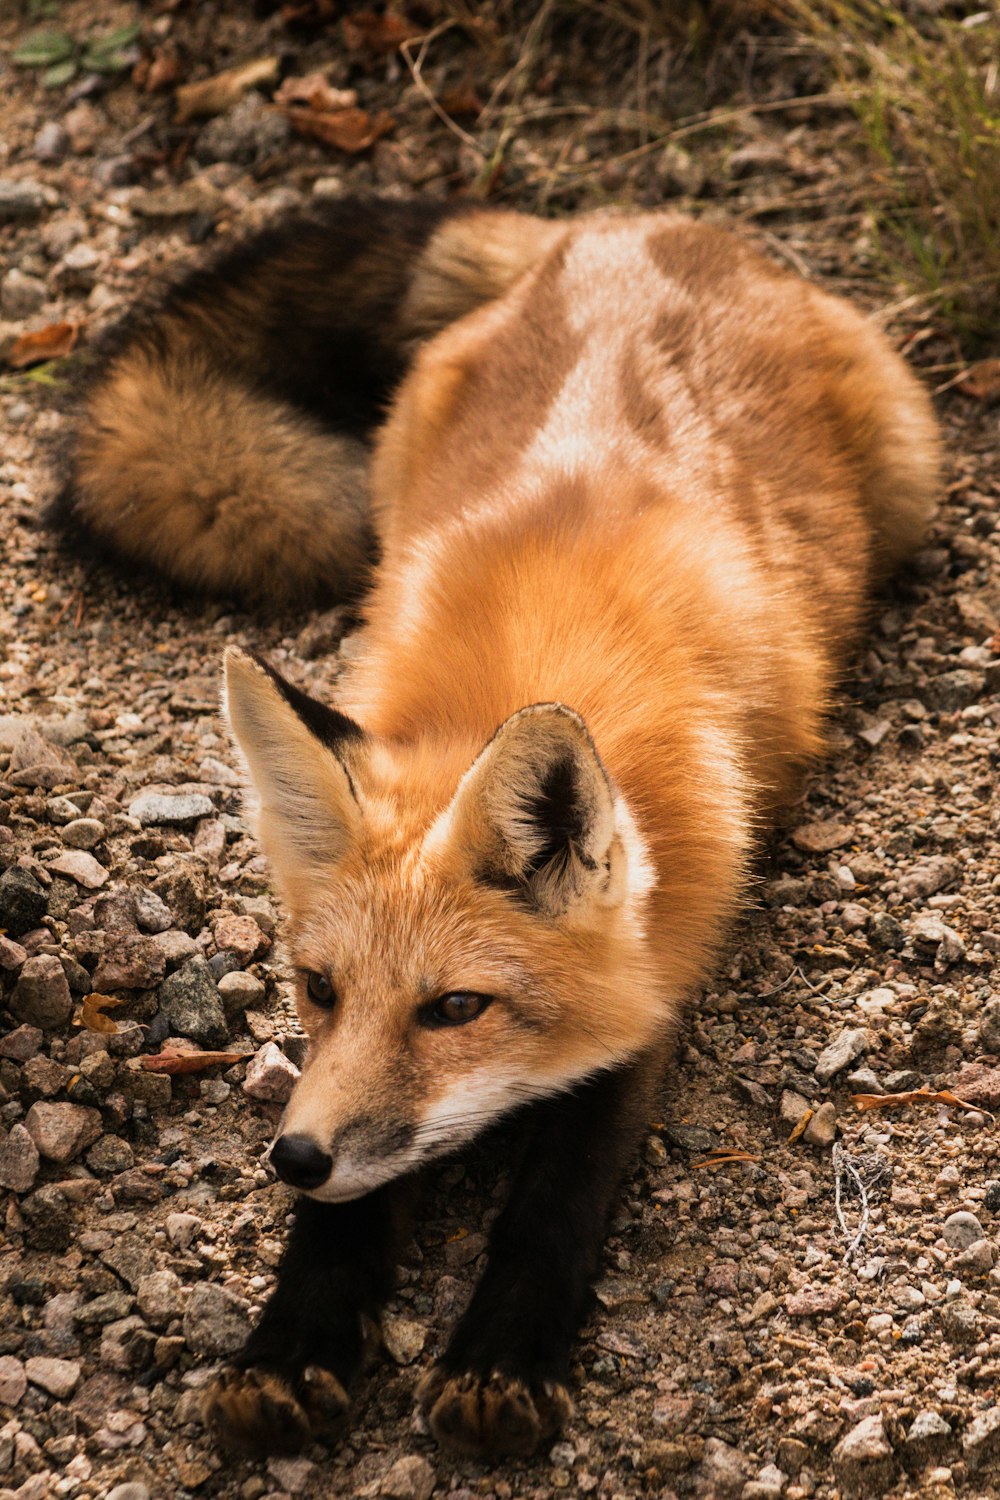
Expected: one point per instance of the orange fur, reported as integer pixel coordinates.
(655, 481)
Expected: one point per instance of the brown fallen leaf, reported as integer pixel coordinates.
(92, 1013)
(211, 96)
(174, 1062)
(350, 130)
(981, 381)
(807, 1115)
(312, 91)
(366, 31)
(720, 1158)
(54, 341)
(924, 1095)
(461, 102)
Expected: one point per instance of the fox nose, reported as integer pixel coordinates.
(300, 1162)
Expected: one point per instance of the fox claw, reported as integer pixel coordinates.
(492, 1414)
(257, 1411)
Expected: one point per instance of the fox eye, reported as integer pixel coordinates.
(455, 1009)
(320, 991)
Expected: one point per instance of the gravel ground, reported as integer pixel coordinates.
(733, 1353)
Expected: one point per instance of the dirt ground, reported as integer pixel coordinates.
(732, 1351)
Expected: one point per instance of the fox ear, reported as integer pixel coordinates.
(298, 753)
(535, 814)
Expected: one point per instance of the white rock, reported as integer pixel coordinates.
(270, 1075)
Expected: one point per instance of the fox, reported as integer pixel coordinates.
(614, 494)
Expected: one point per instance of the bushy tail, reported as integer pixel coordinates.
(224, 432)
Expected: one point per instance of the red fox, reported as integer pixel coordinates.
(630, 487)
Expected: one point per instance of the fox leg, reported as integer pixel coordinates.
(288, 1386)
(500, 1386)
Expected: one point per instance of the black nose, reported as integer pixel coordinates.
(300, 1162)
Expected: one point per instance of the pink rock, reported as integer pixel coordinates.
(270, 1075)
(242, 936)
(13, 1380)
(814, 1301)
(62, 1131)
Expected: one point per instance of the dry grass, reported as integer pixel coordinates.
(927, 94)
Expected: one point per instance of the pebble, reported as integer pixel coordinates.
(41, 996)
(240, 990)
(83, 833)
(270, 1076)
(863, 1461)
(189, 999)
(240, 936)
(409, 1478)
(12, 955)
(981, 1441)
(21, 1044)
(13, 1380)
(928, 877)
(23, 902)
(962, 1229)
(978, 1258)
(404, 1339)
(293, 1474)
(822, 1128)
(841, 1051)
(822, 837)
(161, 1297)
(814, 1301)
(151, 913)
(927, 1427)
(172, 809)
(722, 1473)
(884, 932)
(80, 866)
(22, 201)
(247, 134)
(62, 1131)
(131, 1490)
(59, 1377)
(181, 1229)
(21, 295)
(216, 1321)
(19, 1160)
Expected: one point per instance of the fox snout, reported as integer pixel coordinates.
(300, 1162)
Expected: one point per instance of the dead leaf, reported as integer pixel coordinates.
(174, 1062)
(981, 381)
(92, 1013)
(924, 1095)
(364, 31)
(807, 1115)
(312, 91)
(461, 102)
(54, 341)
(211, 96)
(720, 1158)
(160, 70)
(348, 129)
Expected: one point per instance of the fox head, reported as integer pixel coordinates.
(466, 937)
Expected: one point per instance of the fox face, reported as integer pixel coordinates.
(463, 942)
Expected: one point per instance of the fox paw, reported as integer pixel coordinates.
(257, 1411)
(492, 1414)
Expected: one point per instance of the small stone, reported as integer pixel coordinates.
(151, 913)
(51, 143)
(981, 1442)
(41, 996)
(841, 1051)
(82, 867)
(927, 878)
(769, 1484)
(949, 691)
(47, 1214)
(216, 1321)
(62, 1131)
(876, 1002)
(22, 201)
(884, 932)
(129, 961)
(722, 1473)
(23, 902)
(21, 295)
(793, 1106)
(13, 1380)
(240, 990)
(241, 936)
(294, 1475)
(127, 1345)
(161, 1297)
(19, 1160)
(190, 1001)
(181, 1229)
(172, 809)
(110, 1307)
(960, 1322)
(863, 1460)
(175, 947)
(962, 1229)
(248, 133)
(12, 955)
(928, 1429)
(83, 833)
(978, 1258)
(822, 1128)
(23, 1043)
(132, 1490)
(822, 837)
(270, 1076)
(814, 1301)
(60, 1377)
(409, 1478)
(404, 1339)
